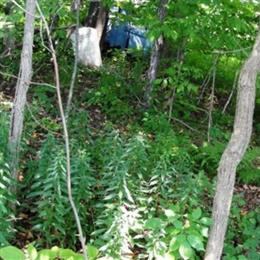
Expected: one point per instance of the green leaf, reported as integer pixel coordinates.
(185, 250)
(176, 242)
(153, 223)
(169, 213)
(196, 214)
(205, 231)
(92, 252)
(78, 257)
(206, 221)
(167, 256)
(11, 253)
(174, 245)
(241, 257)
(66, 253)
(178, 224)
(196, 242)
(158, 81)
(47, 254)
(32, 252)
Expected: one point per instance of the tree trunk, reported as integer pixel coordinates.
(155, 56)
(97, 18)
(234, 153)
(25, 73)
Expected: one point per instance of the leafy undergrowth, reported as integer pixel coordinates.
(140, 190)
(31, 253)
(143, 180)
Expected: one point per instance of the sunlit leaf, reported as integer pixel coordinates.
(185, 250)
(196, 214)
(32, 252)
(11, 253)
(196, 242)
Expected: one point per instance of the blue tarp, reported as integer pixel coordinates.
(127, 36)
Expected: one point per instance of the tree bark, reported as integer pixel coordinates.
(155, 57)
(97, 18)
(234, 153)
(25, 73)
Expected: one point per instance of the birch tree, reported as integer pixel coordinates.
(234, 152)
(23, 82)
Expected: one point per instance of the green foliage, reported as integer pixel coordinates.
(243, 236)
(122, 169)
(119, 88)
(31, 253)
(208, 157)
(156, 123)
(183, 220)
(6, 183)
(10, 252)
(141, 185)
(249, 169)
(49, 192)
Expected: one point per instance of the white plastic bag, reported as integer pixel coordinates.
(88, 46)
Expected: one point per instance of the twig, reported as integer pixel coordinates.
(219, 52)
(66, 135)
(180, 58)
(42, 38)
(212, 95)
(205, 83)
(25, 11)
(31, 82)
(185, 124)
(171, 102)
(231, 93)
(75, 68)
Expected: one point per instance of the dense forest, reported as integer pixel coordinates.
(129, 129)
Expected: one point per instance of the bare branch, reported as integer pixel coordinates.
(212, 95)
(231, 93)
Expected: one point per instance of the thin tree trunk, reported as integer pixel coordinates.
(97, 18)
(155, 57)
(234, 153)
(25, 74)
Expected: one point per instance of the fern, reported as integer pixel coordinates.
(6, 197)
(117, 212)
(54, 219)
